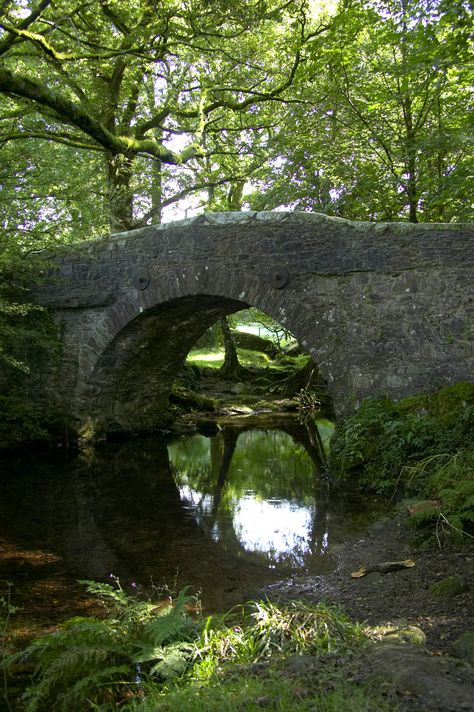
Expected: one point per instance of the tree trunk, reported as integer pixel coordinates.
(156, 190)
(235, 195)
(411, 187)
(221, 467)
(231, 367)
(120, 194)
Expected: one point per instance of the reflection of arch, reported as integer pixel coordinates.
(218, 520)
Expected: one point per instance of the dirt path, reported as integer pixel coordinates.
(436, 676)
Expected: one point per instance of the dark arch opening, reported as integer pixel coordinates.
(129, 389)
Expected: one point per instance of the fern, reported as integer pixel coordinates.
(89, 660)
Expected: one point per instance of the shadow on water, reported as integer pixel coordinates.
(226, 514)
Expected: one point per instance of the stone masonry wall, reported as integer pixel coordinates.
(382, 308)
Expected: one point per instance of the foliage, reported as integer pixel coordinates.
(26, 329)
(136, 657)
(267, 630)
(88, 660)
(7, 609)
(418, 446)
(23, 419)
(264, 636)
(448, 478)
(267, 324)
(29, 344)
(382, 124)
(153, 95)
(277, 691)
(111, 113)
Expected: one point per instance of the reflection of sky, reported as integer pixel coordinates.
(265, 505)
(278, 529)
(272, 526)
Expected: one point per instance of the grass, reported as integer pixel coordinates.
(278, 657)
(215, 359)
(206, 358)
(273, 691)
(146, 656)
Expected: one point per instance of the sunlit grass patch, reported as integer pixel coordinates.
(264, 630)
(244, 661)
(215, 359)
(274, 691)
(206, 359)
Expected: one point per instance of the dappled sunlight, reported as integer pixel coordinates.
(202, 358)
(13, 555)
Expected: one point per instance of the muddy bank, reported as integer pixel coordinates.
(434, 600)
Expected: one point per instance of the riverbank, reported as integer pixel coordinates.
(431, 603)
(416, 664)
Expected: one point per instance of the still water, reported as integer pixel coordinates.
(225, 514)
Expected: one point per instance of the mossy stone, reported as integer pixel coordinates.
(448, 588)
(444, 405)
(409, 634)
(464, 646)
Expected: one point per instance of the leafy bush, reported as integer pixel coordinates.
(448, 478)
(22, 419)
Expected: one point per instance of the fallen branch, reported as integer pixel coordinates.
(383, 568)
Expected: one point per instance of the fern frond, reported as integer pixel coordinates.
(175, 661)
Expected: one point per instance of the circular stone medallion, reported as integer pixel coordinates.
(278, 276)
(141, 278)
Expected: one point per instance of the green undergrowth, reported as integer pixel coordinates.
(146, 655)
(215, 358)
(24, 420)
(272, 691)
(249, 358)
(420, 447)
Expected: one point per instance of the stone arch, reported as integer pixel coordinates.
(118, 377)
(382, 308)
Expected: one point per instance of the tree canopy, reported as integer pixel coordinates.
(385, 121)
(146, 86)
(112, 111)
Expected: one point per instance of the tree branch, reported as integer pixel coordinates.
(56, 138)
(24, 24)
(73, 113)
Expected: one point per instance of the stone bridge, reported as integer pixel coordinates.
(382, 308)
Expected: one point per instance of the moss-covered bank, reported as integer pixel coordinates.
(421, 446)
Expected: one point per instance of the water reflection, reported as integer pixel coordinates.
(259, 494)
(225, 514)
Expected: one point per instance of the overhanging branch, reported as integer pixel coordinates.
(73, 113)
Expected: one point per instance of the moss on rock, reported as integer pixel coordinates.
(448, 588)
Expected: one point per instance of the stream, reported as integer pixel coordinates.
(225, 514)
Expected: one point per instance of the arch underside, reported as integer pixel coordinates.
(130, 386)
